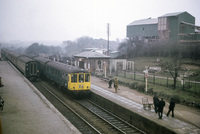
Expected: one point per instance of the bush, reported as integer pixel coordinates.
(176, 98)
(141, 87)
(150, 91)
(133, 85)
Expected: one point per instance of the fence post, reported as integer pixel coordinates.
(183, 83)
(154, 78)
(124, 73)
(134, 74)
(116, 73)
(167, 81)
(189, 82)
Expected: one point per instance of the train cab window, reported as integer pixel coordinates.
(87, 77)
(74, 78)
(81, 77)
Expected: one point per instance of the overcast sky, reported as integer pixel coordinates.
(71, 19)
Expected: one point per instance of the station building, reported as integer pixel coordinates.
(92, 61)
(176, 27)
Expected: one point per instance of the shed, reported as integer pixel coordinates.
(145, 28)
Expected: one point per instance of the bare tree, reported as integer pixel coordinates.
(173, 66)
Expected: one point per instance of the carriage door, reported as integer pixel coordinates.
(33, 68)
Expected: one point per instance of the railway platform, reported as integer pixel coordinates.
(26, 110)
(186, 120)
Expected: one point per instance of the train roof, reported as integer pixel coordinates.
(25, 59)
(65, 67)
(42, 60)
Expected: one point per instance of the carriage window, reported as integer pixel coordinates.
(74, 78)
(81, 77)
(87, 77)
(32, 68)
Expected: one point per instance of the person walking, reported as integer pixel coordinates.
(161, 105)
(116, 85)
(171, 107)
(155, 103)
(1, 84)
(110, 83)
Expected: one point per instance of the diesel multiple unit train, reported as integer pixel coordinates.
(75, 80)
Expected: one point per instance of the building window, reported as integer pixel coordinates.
(162, 23)
(99, 64)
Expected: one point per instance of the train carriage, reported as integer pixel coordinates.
(74, 79)
(26, 65)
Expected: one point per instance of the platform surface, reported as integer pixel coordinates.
(132, 100)
(26, 110)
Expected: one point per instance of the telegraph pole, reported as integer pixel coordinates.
(108, 32)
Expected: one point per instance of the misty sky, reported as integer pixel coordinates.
(70, 19)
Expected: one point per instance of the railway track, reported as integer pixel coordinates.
(86, 116)
(111, 119)
(75, 118)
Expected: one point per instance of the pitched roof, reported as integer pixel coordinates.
(144, 21)
(91, 54)
(172, 14)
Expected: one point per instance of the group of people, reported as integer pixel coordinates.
(115, 84)
(160, 104)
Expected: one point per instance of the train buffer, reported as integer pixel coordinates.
(146, 103)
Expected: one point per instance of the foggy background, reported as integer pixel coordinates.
(60, 20)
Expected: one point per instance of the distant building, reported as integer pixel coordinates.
(145, 28)
(176, 27)
(92, 61)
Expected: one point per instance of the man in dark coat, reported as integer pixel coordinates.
(155, 102)
(161, 105)
(171, 107)
(110, 83)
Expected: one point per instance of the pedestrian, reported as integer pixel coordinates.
(110, 83)
(161, 105)
(116, 85)
(1, 103)
(171, 107)
(1, 84)
(155, 103)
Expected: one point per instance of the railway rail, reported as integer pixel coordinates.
(75, 118)
(111, 119)
(85, 115)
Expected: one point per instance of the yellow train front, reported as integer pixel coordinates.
(73, 79)
(79, 82)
